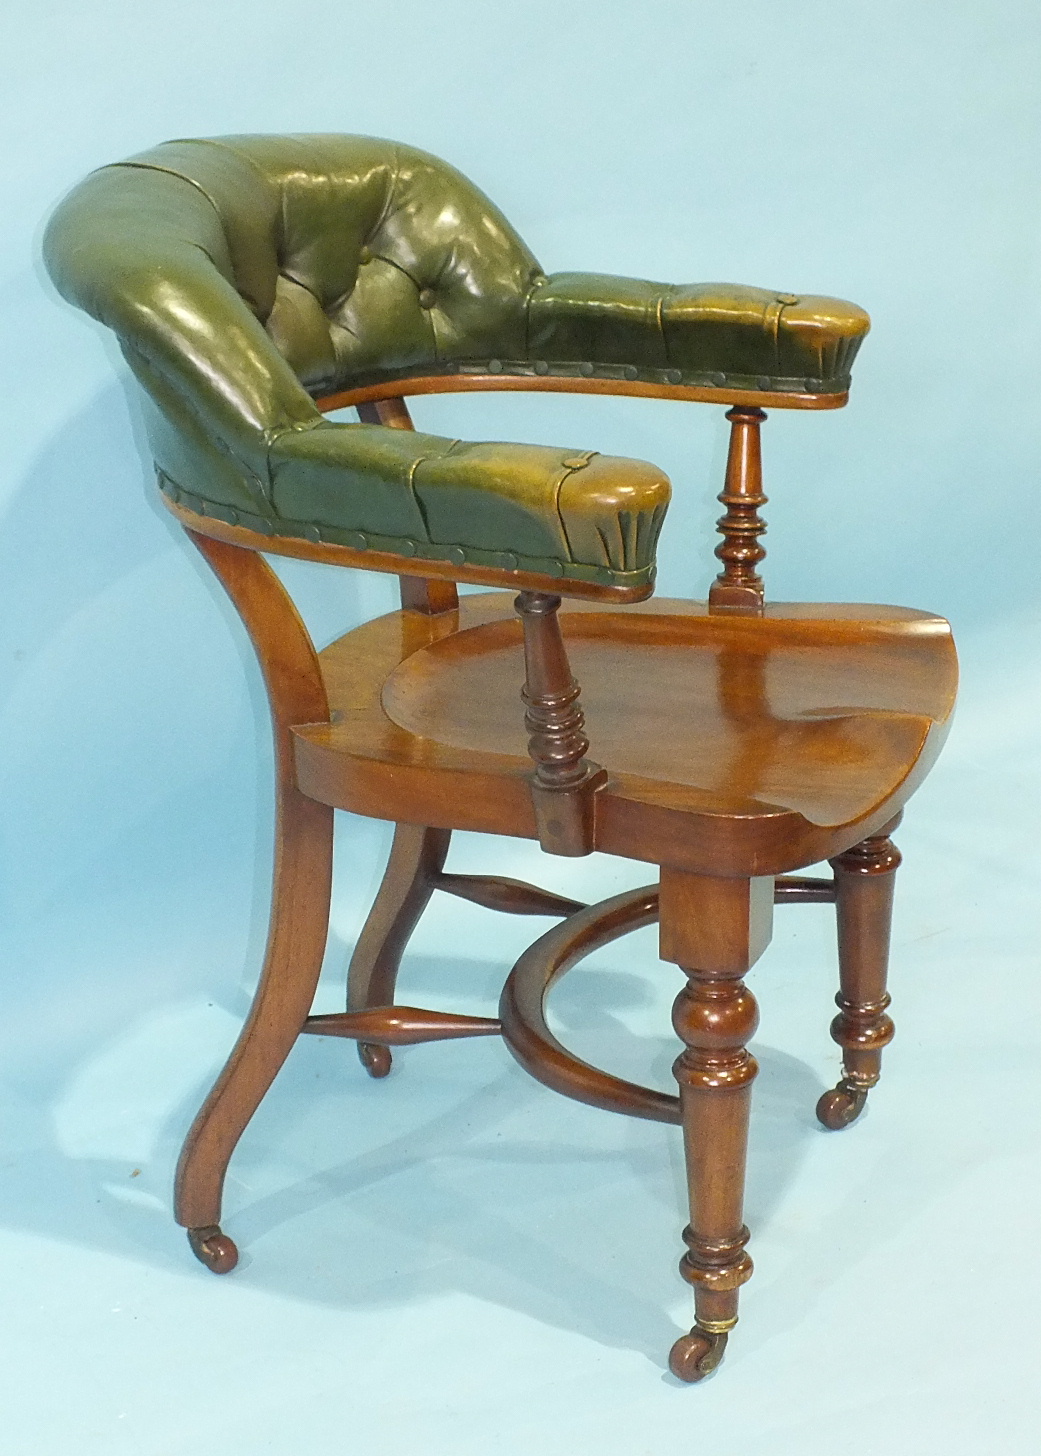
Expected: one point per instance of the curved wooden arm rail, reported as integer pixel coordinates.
(259, 284)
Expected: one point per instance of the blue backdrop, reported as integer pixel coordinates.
(879, 151)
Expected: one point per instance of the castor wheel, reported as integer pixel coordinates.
(374, 1058)
(696, 1355)
(212, 1247)
(841, 1106)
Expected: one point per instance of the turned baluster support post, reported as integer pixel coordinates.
(739, 587)
(564, 782)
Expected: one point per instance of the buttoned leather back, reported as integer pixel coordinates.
(357, 254)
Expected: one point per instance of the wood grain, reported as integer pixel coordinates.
(300, 897)
(745, 745)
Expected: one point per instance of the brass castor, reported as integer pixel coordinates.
(696, 1355)
(841, 1106)
(212, 1247)
(374, 1058)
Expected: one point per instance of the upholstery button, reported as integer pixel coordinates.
(494, 366)
(357, 540)
(719, 380)
(762, 382)
(787, 298)
(427, 298)
(457, 556)
(674, 376)
(508, 560)
(541, 367)
(406, 548)
(365, 256)
(312, 533)
(585, 370)
(630, 371)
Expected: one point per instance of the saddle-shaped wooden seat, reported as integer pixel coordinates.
(259, 285)
(732, 744)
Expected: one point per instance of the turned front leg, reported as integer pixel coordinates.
(865, 878)
(719, 928)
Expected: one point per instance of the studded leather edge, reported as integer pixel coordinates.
(454, 555)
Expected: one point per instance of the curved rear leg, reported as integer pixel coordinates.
(417, 857)
(300, 903)
(864, 882)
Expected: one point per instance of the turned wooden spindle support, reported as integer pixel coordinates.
(865, 878)
(564, 783)
(738, 587)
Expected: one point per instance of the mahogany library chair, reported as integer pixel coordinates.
(257, 283)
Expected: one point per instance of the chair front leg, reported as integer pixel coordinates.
(719, 927)
(865, 878)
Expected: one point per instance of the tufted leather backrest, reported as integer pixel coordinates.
(358, 254)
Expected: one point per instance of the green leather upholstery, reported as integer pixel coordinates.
(246, 276)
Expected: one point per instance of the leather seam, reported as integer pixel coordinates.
(777, 336)
(567, 471)
(415, 495)
(181, 177)
(659, 316)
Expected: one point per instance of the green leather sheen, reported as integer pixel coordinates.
(245, 276)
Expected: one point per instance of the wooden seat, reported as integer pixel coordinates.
(794, 730)
(259, 285)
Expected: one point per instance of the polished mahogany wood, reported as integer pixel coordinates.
(417, 856)
(739, 587)
(733, 744)
(391, 411)
(512, 897)
(715, 929)
(564, 783)
(522, 1008)
(415, 869)
(804, 890)
(710, 728)
(548, 384)
(400, 1025)
(428, 594)
(865, 878)
(299, 908)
